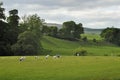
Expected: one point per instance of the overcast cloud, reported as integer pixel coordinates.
(92, 13)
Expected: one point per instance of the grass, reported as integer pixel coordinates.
(92, 36)
(65, 47)
(65, 68)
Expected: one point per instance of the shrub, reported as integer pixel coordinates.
(105, 54)
(118, 55)
(84, 39)
(80, 52)
(94, 40)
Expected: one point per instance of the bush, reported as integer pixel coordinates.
(80, 52)
(118, 55)
(84, 39)
(106, 55)
(94, 40)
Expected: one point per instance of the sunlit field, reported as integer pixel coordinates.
(64, 68)
(64, 47)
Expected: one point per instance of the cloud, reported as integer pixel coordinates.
(92, 13)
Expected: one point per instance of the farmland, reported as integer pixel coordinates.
(65, 47)
(65, 68)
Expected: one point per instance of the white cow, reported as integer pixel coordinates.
(55, 57)
(36, 57)
(46, 57)
(22, 58)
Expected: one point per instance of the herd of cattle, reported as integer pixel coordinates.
(36, 57)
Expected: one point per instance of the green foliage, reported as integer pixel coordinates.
(13, 18)
(111, 35)
(2, 15)
(71, 30)
(5, 40)
(13, 21)
(80, 52)
(29, 40)
(94, 40)
(84, 39)
(33, 23)
(45, 30)
(27, 44)
(53, 31)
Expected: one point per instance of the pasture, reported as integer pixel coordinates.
(65, 68)
(92, 36)
(64, 47)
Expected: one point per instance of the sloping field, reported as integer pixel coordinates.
(65, 47)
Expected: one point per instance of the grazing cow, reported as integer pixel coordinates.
(46, 57)
(36, 57)
(54, 57)
(78, 54)
(58, 56)
(21, 58)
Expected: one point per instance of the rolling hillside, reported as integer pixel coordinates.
(64, 47)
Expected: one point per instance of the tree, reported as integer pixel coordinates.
(4, 46)
(29, 39)
(27, 44)
(78, 30)
(53, 31)
(2, 15)
(45, 30)
(71, 30)
(111, 35)
(33, 23)
(84, 39)
(13, 18)
(13, 21)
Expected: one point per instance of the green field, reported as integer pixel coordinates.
(65, 68)
(95, 66)
(92, 36)
(65, 47)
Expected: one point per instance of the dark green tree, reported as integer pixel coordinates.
(78, 30)
(2, 15)
(53, 31)
(111, 35)
(71, 30)
(4, 27)
(13, 21)
(29, 39)
(33, 23)
(27, 44)
(45, 30)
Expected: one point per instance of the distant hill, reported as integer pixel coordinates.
(90, 30)
(54, 24)
(86, 30)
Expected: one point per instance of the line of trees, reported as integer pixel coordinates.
(19, 38)
(24, 38)
(69, 31)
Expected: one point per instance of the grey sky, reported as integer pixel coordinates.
(92, 13)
